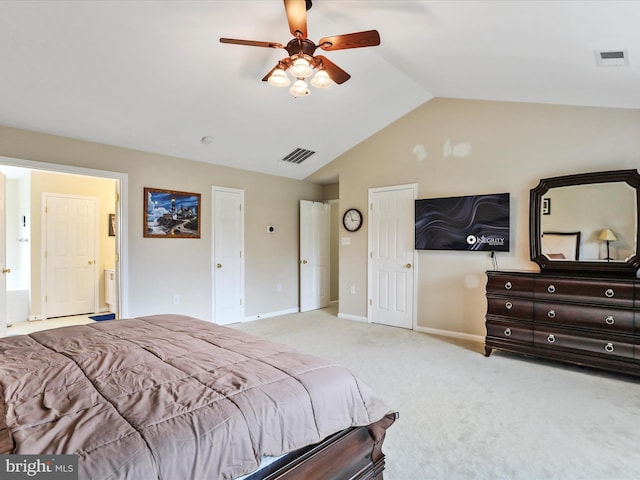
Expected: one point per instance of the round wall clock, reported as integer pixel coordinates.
(352, 219)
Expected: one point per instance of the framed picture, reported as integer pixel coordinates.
(112, 224)
(171, 214)
(546, 206)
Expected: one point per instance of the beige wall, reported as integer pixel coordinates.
(161, 268)
(102, 189)
(469, 147)
(473, 147)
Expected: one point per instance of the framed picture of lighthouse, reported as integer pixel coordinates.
(171, 214)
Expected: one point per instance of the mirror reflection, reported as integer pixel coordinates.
(592, 222)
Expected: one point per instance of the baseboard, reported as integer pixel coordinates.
(271, 314)
(357, 318)
(449, 333)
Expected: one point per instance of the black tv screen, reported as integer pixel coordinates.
(471, 223)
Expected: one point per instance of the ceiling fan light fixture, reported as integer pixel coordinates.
(299, 88)
(279, 78)
(301, 68)
(321, 79)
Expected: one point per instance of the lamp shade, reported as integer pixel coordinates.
(299, 89)
(606, 234)
(279, 78)
(321, 79)
(301, 68)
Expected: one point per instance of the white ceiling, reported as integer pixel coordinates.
(152, 75)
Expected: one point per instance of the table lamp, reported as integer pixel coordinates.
(608, 236)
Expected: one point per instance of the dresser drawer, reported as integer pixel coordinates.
(510, 284)
(612, 347)
(610, 292)
(517, 308)
(605, 318)
(509, 331)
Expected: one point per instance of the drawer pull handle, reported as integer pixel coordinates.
(551, 288)
(509, 305)
(609, 292)
(508, 285)
(551, 338)
(610, 320)
(551, 314)
(507, 332)
(609, 347)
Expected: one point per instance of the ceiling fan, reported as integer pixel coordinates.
(301, 62)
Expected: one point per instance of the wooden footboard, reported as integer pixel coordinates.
(353, 454)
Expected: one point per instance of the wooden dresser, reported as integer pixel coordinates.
(583, 320)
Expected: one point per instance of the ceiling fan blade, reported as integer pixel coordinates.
(369, 38)
(297, 17)
(335, 72)
(251, 43)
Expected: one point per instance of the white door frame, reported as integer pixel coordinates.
(370, 274)
(215, 189)
(122, 216)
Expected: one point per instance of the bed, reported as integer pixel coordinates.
(173, 397)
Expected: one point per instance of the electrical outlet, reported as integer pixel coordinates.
(353, 290)
(279, 288)
(176, 299)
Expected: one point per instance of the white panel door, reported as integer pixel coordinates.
(228, 255)
(70, 255)
(391, 255)
(3, 260)
(315, 244)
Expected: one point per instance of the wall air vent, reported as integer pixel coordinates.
(611, 58)
(298, 156)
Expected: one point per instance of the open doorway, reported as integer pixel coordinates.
(28, 186)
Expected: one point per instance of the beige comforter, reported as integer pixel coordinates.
(169, 397)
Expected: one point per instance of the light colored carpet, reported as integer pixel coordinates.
(465, 416)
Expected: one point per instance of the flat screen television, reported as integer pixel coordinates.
(470, 223)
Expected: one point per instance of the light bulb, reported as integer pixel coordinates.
(301, 68)
(299, 89)
(321, 79)
(279, 78)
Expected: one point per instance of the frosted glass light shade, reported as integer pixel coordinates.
(299, 89)
(279, 78)
(321, 79)
(301, 68)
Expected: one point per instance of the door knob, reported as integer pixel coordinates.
(304, 262)
(91, 262)
(408, 265)
(218, 265)
(6, 270)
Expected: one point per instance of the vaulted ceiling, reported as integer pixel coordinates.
(153, 76)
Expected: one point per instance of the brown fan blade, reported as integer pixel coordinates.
(370, 38)
(297, 17)
(335, 72)
(251, 43)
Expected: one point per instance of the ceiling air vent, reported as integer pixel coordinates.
(298, 156)
(612, 58)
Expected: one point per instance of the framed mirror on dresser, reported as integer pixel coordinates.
(583, 306)
(601, 208)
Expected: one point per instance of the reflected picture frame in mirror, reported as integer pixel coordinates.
(591, 256)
